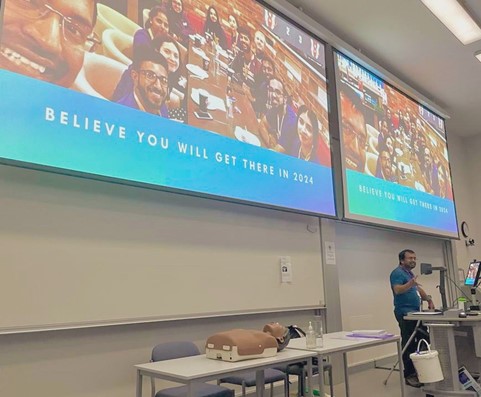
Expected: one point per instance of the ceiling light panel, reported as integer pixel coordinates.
(456, 19)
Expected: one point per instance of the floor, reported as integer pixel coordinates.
(370, 383)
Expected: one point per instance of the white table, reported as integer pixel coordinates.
(339, 342)
(188, 370)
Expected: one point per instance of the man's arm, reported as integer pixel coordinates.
(403, 288)
(427, 298)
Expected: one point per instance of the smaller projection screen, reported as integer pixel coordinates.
(394, 156)
(219, 98)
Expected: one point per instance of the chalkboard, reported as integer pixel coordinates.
(77, 252)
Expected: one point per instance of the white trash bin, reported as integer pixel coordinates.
(427, 364)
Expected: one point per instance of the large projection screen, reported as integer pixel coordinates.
(217, 98)
(394, 155)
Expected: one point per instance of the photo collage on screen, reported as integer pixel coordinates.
(388, 136)
(232, 68)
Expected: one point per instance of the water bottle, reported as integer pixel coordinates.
(230, 103)
(311, 337)
(318, 331)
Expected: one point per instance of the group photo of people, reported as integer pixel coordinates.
(232, 68)
(387, 135)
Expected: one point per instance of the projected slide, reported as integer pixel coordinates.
(394, 156)
(212, 97)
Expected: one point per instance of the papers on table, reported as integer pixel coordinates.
(370, 333)
(424, 313)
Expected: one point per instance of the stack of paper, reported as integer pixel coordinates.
(370, 333)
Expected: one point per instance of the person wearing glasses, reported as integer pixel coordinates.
(150, 79)
(47, 40)
(157, 25)
(384, 166)
(353, 129)
(169, 48)
(278, 126)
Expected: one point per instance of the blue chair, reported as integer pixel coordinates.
(248, 379)
(171, 350)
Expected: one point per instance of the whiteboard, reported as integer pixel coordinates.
(78, 252)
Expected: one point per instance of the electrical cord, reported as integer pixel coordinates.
(459, 289)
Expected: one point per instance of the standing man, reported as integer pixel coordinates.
(407, 298)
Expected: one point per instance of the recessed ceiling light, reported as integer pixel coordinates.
(456, 19)
(478, 55)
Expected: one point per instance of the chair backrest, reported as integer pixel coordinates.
(170, 350)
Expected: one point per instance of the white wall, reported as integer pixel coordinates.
(99, 361)
(466, 174)
(100, 252)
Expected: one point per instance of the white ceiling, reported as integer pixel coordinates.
(406, 39)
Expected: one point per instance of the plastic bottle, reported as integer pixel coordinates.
(311, 337)
(318, 331)
(229, 102)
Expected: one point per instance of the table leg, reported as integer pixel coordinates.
(309, 377)
(190, 391)
(346, 374)
(138, 384)
(320, 365)
(401, 366)
(260, 383)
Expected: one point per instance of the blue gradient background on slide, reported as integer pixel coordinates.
(208, 167)
(380, 199)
